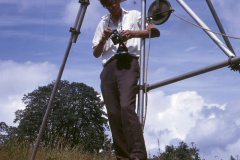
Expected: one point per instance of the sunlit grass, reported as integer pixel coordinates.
(15, 150)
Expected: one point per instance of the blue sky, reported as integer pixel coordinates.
(204, 109)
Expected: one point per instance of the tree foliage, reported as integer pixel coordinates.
(181, 152)
(76, 116)
(7, 132)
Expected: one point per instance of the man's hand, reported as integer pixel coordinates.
(127, 34)
(97, 51)
(106, 35)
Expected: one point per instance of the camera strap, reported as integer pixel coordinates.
(119, 21)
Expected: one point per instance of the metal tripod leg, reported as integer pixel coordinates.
(73, 38)
(202, 24)
(220, 25)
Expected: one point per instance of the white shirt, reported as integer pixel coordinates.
(131, 20)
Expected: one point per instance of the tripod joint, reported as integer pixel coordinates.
(74, 31)
(84, 2)
(142, 87)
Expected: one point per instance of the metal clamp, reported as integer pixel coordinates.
(74, 31)
(142, 87)
(234, 66)
(83, 2)
(230, 60)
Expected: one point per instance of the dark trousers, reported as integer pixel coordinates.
(119, 86)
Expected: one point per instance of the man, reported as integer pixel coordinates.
(120, 76)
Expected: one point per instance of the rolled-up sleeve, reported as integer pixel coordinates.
(98, 35)
(139, 20)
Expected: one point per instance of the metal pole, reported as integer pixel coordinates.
(44, 122)
(191, 74)
(54, 91)
(76, 23)
(210, 34)
(220, 25)
(79, 25)
(142, 66)
(194, 73)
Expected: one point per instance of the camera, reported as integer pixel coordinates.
(117, 39)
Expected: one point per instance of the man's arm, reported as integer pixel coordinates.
(141, 33)
(97, 51)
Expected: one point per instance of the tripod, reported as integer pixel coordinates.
(75, 31)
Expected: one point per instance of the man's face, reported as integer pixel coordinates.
(113, 6)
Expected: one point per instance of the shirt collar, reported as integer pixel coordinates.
(106, 17)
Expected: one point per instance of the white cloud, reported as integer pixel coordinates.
(171, 116)
(185, 116)
(18, 79)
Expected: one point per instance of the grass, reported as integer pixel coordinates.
(15, 150)
(22, 150)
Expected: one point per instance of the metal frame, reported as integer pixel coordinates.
(142, 68)
(227, 50)
(230, 53)
(76, 31)
(73, 38)
(220, 25)
(202, 24)
(195, 73)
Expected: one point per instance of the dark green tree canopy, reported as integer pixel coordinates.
(76, 116)
(181, 152)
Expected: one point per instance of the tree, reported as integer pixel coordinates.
(76, 116)
(180, 152)
(7, 132)
(3, 131)
(3, 127)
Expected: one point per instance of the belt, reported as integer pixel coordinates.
(119, 57)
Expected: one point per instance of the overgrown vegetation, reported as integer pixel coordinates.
(16, 149)
(181, 152)
(76, 117)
